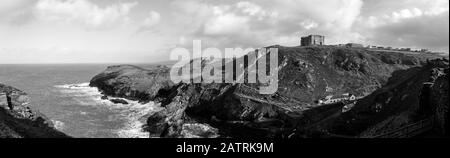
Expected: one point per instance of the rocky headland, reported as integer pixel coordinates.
(132, 82)
(306, 74)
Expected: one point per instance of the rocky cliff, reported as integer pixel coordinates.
(409, 96)
(440, 103)
(132, 82)
(18, 119)
(306, 74)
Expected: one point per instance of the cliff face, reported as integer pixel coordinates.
(440, 102)
(19, 120)
(409, 96)
(306, 74)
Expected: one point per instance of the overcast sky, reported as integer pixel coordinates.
(129, 31)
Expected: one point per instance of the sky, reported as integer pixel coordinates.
(143, 31)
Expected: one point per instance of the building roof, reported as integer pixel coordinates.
(313, 35)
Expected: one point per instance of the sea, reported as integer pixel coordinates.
(62, 93)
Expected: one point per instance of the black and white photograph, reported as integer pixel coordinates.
(209, 70)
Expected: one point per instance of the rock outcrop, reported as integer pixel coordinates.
(440, 102)
(18, 119)
(132, 82)
(119, 101)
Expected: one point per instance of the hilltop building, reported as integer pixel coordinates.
(313, 40)
(405, 49)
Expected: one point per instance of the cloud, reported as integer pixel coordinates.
(382, 7)
(152, 19)
(16, 11)
(255, 10)
(146, 26)
(257, 23)
(8, 6)
(423, 24)
(84, 12)
(226, 24)
(309, 24)
(410, 32)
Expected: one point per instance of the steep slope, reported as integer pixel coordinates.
(404, 99)
(439, 101)
(306, 75)
(20, 120)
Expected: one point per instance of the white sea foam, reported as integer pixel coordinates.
(58, 124)
(79, 90)
(133, 127)
(131, 113)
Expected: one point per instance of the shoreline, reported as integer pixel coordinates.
(132, 113)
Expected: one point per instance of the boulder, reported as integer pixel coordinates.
(119, 101)
(104, 97)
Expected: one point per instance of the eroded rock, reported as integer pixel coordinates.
(21, 120)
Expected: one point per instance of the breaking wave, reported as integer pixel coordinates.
(59, 125)
(128, 116)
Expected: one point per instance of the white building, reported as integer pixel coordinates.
(337, 99)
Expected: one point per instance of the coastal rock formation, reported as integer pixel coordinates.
(18, 119)
(306, 74)
(132, 82)
(119, 101)
(440, 102)
(409, 96)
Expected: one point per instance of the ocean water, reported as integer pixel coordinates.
(62, 93)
